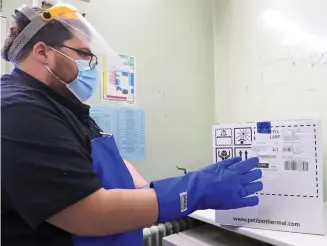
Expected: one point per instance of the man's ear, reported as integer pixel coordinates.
(41, 52)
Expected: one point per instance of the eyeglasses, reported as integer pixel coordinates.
(85, 55)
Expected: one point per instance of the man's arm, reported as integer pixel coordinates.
(108, 212)
(60, 185)
(139, 181)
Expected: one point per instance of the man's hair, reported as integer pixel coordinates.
(53, 34)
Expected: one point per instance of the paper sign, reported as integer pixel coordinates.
(119, 86)
(291, 161)
(127, 126)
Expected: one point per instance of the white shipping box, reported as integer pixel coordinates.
(208, 235)
(290, 155)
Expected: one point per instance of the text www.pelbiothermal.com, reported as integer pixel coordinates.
(270, 222)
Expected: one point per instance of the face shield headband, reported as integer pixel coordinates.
(37, 21)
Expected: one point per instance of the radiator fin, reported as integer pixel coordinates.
(152, 236)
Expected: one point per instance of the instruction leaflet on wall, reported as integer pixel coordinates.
(127, 126)
(119, 85)
(290, 155)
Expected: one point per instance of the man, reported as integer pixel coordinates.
(63, 182)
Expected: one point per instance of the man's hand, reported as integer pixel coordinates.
(139, 181)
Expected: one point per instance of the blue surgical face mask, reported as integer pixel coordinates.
(84, 85)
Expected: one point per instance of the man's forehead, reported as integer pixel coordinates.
(79, 41)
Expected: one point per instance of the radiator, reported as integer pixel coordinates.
(152, 236)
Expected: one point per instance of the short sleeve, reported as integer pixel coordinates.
(44, 168)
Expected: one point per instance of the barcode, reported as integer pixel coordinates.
(267, 156)
(287, 149)
(296, 165)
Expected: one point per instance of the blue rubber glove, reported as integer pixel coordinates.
(224, 185)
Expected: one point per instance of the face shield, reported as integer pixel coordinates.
(100, 53)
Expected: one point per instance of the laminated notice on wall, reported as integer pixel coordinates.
(119, 85)
(127, 125)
